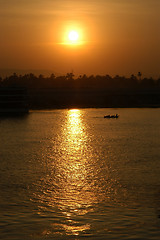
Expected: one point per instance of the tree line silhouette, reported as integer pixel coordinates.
(83, 81)
(68, 91)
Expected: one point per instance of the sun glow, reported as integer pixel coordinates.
(73, 36)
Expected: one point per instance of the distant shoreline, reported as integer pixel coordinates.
(63, 99)
(66, 91)
(84, 107)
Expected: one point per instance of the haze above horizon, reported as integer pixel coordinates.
(114, 37)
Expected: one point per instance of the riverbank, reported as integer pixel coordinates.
(89, 98)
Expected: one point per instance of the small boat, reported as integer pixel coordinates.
(111, 116)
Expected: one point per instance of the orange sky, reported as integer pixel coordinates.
(117, 36)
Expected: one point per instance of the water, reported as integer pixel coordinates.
(72, 174)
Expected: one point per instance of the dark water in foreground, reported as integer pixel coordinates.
(69, 174)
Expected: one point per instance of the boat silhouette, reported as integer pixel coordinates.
(111, 116)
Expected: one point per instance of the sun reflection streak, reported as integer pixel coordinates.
(74, 195)
(74, 123)
(76, 136)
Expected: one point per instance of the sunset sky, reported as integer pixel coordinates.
(114, 36)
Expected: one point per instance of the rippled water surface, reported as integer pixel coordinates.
(72, 174)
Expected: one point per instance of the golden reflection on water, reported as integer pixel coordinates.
(75, 132)
(69, 188)
(76, 197)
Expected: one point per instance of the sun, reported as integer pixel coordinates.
(73, 36)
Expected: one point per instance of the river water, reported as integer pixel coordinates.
(72, 174)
